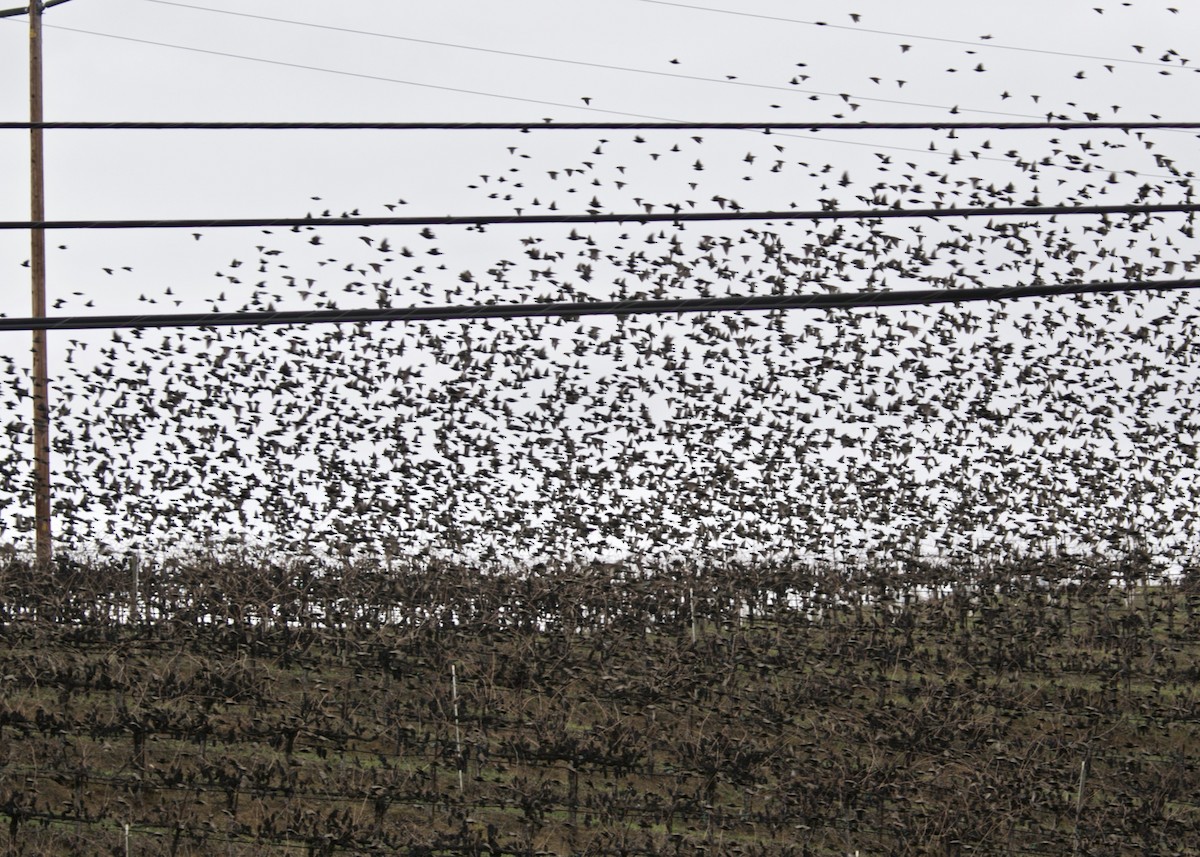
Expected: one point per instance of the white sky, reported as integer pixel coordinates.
(160, 60)
(621, 59)
(123, 75)
(138, 174)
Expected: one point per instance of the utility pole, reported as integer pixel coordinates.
(37, 212)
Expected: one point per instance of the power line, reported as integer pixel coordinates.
(655, 72)
(464, 91)
(583, 63)
(524, 127)
(484, 94)
(852, 300)
(611, 126)
(627, 217)
(563, 60)
(540, 58)
(982, 43)
(24, 10)
(359, 75)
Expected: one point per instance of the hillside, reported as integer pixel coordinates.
(252, 707)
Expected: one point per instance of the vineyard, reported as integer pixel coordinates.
(251, 705)
(800, 457)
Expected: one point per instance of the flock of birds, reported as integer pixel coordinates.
(981, 429)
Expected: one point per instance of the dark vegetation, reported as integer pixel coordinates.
(251, 706)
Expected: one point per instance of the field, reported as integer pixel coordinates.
(251, 706)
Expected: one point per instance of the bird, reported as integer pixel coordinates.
(1001, 425)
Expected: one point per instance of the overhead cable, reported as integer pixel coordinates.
(766, 127)
(722, 81)
(627, 217)
(329, 27)
(725, 81)
(485, 94)
(745, 303)
(24, 10)
(544, 102)
(982, 42)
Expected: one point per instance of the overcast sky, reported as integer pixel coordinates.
(526, 61)
(521, 60)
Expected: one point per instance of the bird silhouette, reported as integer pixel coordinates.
(970, 430)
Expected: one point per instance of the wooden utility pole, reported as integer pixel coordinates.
(37, 212)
